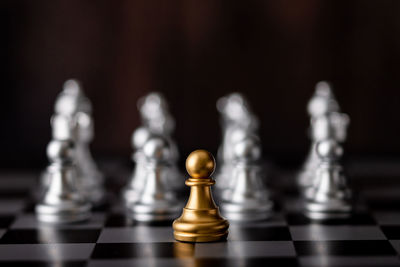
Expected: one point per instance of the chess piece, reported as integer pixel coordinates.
(73, 103)
(323, 101)
(156, 202)
(62, 201)
(155, 115)
(235, 109)
(233, 135)
(237, 122)
(325, 122)
(330, 196)
(200, 220)
(247, 198)
(329, 126)
(136, 183)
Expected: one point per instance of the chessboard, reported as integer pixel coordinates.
(370, 238)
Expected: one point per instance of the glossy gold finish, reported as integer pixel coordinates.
(200, 164)
(200, 220)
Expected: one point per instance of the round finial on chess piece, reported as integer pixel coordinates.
(156, 149)
(324, 89)
(248, 149)
(72, 87)
(323, 100)
(60, 151)
(200, 164)
(140, 137)
(329, 149)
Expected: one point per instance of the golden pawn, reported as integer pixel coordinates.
(200, 220)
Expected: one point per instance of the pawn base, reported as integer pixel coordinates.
(56, 215)
(252, 211)
(199, 238)
(321, 216)
(147, 213)
(326, 211)
(200, 226)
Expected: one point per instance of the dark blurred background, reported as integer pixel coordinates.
(195, 52)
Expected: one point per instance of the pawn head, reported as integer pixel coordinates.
(200, 164)
(73, 87)
(329, 149)
(157, 149)
(324, 89)
(140, 137)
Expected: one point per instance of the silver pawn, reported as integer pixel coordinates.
(247, 198)
(156, 202)
(62, 201)
(155, 115)
(319, 108)
(237, 122)
(234, 134)
(73, 103)
(136, 183)
(329, 126)
(330, 196)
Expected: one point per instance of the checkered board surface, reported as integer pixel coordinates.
(370, 238)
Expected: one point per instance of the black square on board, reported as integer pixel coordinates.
(271, 233)
(391, 232)
(344, 248)
(6, 220)
(133, 250)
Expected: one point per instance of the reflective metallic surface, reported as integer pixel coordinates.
(237, 122)
(200, 164)
(156, 117)
(76, 107)
(330, 196)
(155, 202)
(323, 101)
(136, 183)
(325, 122)
(62, 201)
(156, 122)
(247, 198)
(200, 220)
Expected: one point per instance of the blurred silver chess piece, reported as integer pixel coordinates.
(323, 101)
(73, 104)
(329, 197)
(325, 122)
(154, 111)
(237, 122)
(156, 201)
(246, 199)
(136, 183)
(62, 202)
(155, 115)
